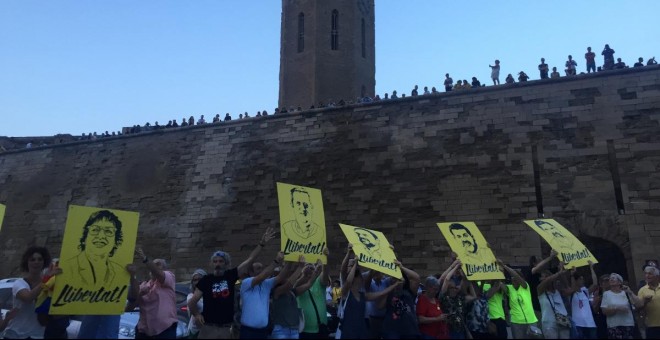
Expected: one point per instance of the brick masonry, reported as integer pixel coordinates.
(398, 166)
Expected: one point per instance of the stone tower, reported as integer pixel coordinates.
(327, 51)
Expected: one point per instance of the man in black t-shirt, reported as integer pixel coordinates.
(217, 289)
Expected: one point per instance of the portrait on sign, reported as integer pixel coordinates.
(372, 250)
(302, 222)
(570, 250)
(465, 239)
(98, 244)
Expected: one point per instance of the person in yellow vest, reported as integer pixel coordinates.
(523, 319)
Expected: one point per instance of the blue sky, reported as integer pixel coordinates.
(85, 66)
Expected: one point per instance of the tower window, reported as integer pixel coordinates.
(334, 33)
(364, 44)
(301, 32)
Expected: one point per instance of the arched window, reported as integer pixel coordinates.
(334, 32)
(364, 44)
(301, 32)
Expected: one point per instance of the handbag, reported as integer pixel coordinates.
(562, 320)
(323, 328)
(533, 332)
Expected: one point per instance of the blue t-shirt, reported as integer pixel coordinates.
(256, 302)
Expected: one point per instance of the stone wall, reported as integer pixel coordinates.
(583, 150)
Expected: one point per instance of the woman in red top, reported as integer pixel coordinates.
(432, 323)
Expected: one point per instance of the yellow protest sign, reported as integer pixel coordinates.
(2, 214)
(98, 244)
(302, 222)
(469, 244)
(571, 251)
(372, 250)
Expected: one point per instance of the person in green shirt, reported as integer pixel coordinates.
(521, 310)
(496, 315)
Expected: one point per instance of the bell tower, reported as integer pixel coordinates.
(327, 51)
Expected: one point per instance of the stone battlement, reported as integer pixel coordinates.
(583, 150)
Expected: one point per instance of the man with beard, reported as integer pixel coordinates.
(303, 227)
(217, 289)
(464, 236)
(565, 243)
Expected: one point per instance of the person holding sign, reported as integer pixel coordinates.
(218, 292)
(400, 318)
(354, 296)
(25, 292)
(523, 320)
(554, 316)
(454, 302)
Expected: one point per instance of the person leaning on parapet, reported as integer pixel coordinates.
(394, 96)
(522, 76)
(651, 62)
(543, 69)
(509, 79)
(227, 117)
(639, 63)
(174, 123)
(426, 90)
(218, 291)
(608, 57)
(216, 119)
(449, 83)
(414, 93)
(495, 72)
(184, 122)
(591, 60)
(476, 82)
(201, 120)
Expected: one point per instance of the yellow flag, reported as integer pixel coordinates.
(2, 214)
(302, 222)
(98, 244)
(571, 251)
(469, 244)
(372, 250)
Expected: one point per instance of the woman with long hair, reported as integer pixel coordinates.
(26, 290)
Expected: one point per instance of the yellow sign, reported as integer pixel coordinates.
(571, 251)
(98, 244)
(2, 214)
(372, 250)
(302, 222)
(466, 241)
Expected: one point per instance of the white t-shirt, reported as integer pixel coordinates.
(192, 326)
(581, 309)
(612, 300)
(547, 312)
(25, 324)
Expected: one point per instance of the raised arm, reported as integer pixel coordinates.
(513, 273)
(594, 278)
(267, 236)
(133, 288)
(343, 271)
(311, 274)
(292, 271)
(268, 271)
(376, 295)
(471, 294)
(445, 282)
(446, 272)
(541, 265)
(156, 272)
(346, 286)
(413, 277)
(543, 285)
(325, 279)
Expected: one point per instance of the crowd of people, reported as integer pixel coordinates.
(295, 299)
(449, 85)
